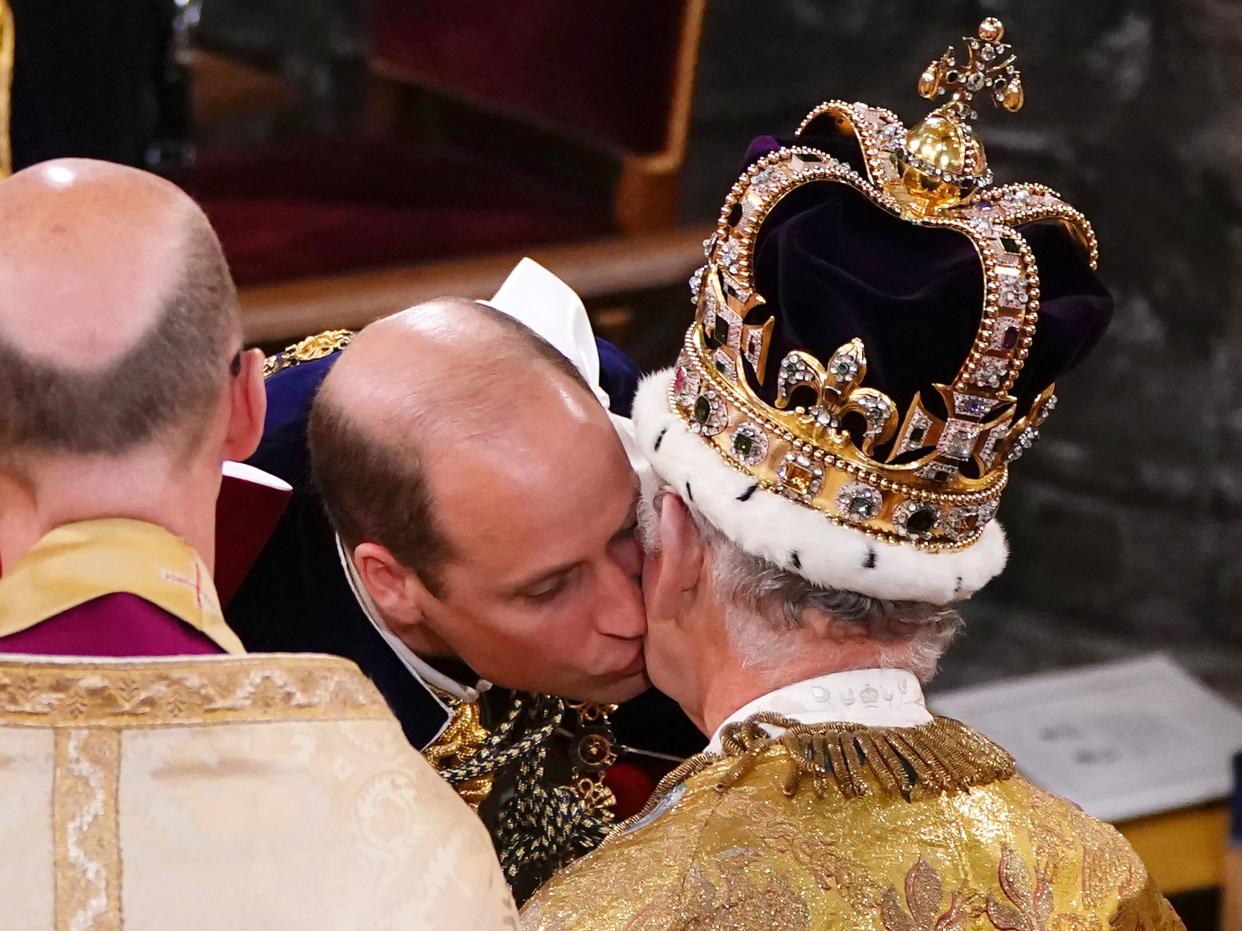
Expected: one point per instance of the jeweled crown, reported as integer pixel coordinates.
(931, 475)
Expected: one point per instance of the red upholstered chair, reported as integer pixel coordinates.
(495, 125)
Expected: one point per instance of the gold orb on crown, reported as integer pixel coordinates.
(941, 160)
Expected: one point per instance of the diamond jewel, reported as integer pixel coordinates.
(696, 284)
(962, 522)
(731, 255)
(857, 502)
(770, 180)
(991, 372)
(1049, 406)
(958, 439)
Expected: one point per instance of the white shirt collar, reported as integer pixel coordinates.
(417, 666)
(872, 697)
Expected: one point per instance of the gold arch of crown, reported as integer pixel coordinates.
(918, 492)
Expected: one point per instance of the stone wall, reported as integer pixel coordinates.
(1127, 521)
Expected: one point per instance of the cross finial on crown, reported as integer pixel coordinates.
(989, 68)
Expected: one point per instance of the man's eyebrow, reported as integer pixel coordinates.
(547, 575)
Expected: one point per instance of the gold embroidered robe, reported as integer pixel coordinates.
(215, 793)
(727, 849)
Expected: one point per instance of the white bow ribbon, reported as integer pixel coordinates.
(534, 296)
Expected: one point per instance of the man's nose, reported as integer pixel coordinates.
(620, 612)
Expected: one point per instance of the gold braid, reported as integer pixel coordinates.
(540, 827)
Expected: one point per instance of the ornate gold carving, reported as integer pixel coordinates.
(462, 738)
(988, 69)
(833, 463)
(86, 829)
(152, 693)
(314, 347)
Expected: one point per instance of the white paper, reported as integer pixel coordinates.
(1122, 739)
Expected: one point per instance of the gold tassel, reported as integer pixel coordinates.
(942, 756)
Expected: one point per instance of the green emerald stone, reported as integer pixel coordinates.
(743, 444)
(843, 370)
(722, 329)
(1010, 245)
(702, 409)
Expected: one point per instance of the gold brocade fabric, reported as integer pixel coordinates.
(76, 563)
(758, 846)
(227, 792)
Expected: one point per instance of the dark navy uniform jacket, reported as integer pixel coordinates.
(296, 597)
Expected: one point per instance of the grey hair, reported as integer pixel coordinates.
(761, 601)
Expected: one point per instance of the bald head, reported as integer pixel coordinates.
(419, 390)
(117, 313)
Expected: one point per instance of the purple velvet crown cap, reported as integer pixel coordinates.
(832, 267)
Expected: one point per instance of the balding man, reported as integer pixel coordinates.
(455, 535)
(235, 791)
(481, 510)
(123, 387)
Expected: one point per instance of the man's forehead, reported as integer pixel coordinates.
(533, 487)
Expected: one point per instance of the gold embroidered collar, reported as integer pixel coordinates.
(79, 562)
(941, 756)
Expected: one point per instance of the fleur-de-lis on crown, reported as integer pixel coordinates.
(838, 392)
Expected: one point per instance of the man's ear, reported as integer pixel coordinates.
(247, 408)
(674, 572)
(397, 591)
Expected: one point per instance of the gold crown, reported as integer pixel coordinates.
(850, 453)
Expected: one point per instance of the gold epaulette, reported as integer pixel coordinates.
(314, 347)
(941, 756)
(905, 762)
